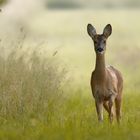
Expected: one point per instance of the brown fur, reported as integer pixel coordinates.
(106, 82)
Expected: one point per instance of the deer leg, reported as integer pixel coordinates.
(99, 109)
(106, 106)
(111, 113)
(118, 108)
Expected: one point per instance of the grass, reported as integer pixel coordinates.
(75, 119)
(37, 102)
(29, 84)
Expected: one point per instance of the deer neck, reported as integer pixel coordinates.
(100, 68)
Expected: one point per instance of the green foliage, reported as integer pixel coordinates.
(3, 1)
(93, 4)
(63, 4)
(75, 119)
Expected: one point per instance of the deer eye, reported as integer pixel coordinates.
(104, 41)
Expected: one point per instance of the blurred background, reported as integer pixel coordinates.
(60, 26)
(85, 4)
(93, 4)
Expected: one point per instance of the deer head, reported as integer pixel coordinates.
(99, 39)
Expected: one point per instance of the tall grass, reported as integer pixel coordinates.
(29, 85)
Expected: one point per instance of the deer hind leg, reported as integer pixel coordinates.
(99, 109)
(105, 104)
(118, 108)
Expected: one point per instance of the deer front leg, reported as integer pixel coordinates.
(99, 109)
(118, 108)
(111, 111)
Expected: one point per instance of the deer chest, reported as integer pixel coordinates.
(101, 93)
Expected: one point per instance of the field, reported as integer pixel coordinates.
(45, 91)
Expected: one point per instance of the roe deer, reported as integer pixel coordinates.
(106, 82)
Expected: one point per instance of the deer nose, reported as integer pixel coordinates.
(100, 49)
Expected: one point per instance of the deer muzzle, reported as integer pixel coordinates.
(100, 50)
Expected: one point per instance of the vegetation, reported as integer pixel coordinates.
(36, 102)
(3, 1)
(63, 4)
(93, 4)
(29, 84)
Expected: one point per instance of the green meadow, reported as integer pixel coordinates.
(45, 85)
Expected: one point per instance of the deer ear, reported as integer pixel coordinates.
(91, 30)
(107, 30)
